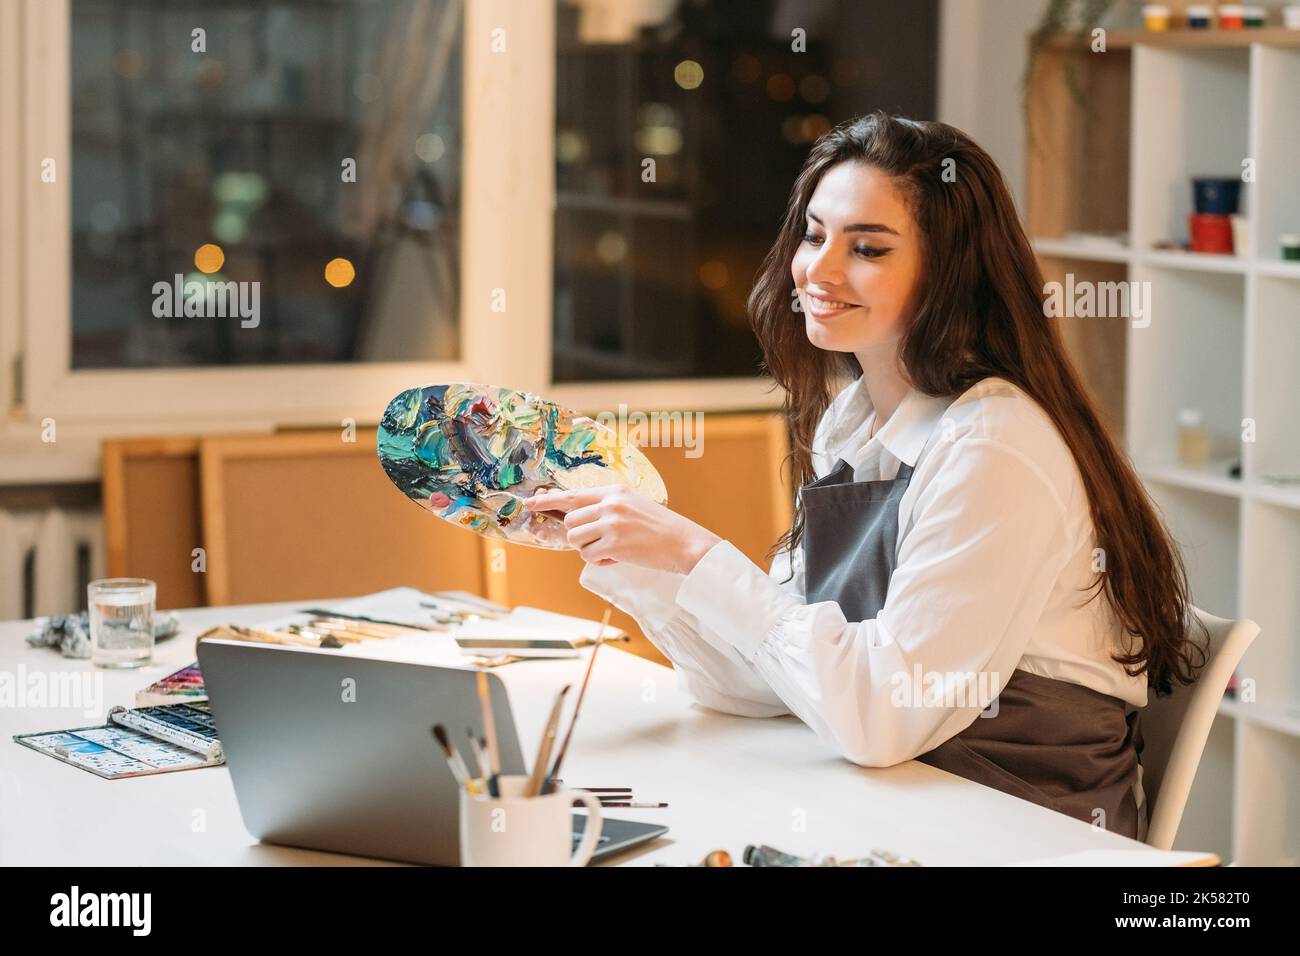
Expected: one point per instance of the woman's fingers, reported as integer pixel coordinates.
(585, 534)
(596, 553)
(583, 515)
(567, 500)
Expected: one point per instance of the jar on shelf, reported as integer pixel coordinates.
(1193, 438)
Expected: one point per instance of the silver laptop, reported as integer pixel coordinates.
(335, 752)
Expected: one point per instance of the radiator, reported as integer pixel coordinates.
(47, 557)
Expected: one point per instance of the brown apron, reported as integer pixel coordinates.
(1055, 743)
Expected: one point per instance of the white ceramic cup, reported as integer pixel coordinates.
(1240, 235)
(514, 830)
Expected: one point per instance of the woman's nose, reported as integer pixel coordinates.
(825, 266)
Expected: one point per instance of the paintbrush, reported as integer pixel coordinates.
(321, 634)
(490, 732)
(456, 608)
(591, 641)
(385, 631)
(544, 748)
(480, 757)
(454, 759)
(324, 612)
(273, 637)
(504, 659)
(549, 785)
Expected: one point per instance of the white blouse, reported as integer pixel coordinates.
(995, 544)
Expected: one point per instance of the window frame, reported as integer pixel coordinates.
(507, 206)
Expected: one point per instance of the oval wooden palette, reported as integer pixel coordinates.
(471, 454)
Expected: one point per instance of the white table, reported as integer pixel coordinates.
(730, 781)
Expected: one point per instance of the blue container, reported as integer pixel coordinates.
(1216, 196)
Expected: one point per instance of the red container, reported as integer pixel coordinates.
(1211, 233)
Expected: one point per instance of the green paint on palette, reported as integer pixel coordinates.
(470, 454)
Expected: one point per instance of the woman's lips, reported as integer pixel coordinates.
(823, 308)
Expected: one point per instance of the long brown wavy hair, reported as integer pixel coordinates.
(977, 311)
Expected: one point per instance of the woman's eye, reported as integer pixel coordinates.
(867, 252)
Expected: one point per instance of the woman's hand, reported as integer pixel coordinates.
(614, 523)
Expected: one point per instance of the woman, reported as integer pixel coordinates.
(960, 498)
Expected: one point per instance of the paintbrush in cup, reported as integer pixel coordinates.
(490, 732)
(480, 758)
(454, 759)
(544, 748)
(549, 785)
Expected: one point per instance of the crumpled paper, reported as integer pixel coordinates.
(70, 633)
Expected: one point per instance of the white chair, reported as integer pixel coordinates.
(1175, 728)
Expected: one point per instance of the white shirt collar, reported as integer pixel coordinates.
(903, 436)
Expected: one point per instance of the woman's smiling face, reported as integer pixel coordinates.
(858, 262)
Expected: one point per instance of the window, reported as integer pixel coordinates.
(264, 182)
(680, 128)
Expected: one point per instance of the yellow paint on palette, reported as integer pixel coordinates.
(611, 448)
(339, 273)
(208, 258)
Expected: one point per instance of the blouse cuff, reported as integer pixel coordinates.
(731, 595)
(646, 594)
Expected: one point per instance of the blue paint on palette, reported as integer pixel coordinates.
(472, 453)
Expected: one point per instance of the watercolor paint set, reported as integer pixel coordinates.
(184, 686)
(136, 742)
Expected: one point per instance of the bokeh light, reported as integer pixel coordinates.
(780, 87)
(230, 225)
(688, 74)
(243, 188)
(208, 258)
(714, 274)
(430, 147)
(339, 273)
(570, 146)
(611, 247)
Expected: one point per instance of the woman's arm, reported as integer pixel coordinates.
(973, 576)
(714, 673)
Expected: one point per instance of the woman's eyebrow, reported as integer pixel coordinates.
(857, 226)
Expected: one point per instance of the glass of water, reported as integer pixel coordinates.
(121, 621)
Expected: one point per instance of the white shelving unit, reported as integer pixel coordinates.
(1223, 337)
